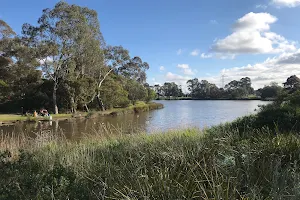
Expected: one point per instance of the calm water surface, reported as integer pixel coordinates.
(175, 114)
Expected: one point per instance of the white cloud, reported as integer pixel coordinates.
(251, 35)
(276, 69)
(261, 6)
(195, 52)
(221, 56)
(286, 3)
(186, 69)
(255, 22)
(213, 21)
(204, 55)
(183, 66)
(178, 79)
(161, 68)
(179, 51)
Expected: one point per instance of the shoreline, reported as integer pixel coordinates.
(10, 119)
(228, 99)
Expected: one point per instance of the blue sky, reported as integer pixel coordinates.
(183, 39)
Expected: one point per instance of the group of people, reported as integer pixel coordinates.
(43, 113)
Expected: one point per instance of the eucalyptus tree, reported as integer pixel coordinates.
(135, 69)
(114, 58)
(66, 42)
(171, 89)
(136, 91)
(270, 91)
(6, 34)
(292, 83)
(193, 86)
(18, 72)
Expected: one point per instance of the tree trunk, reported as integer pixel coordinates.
(54, 100)
(73, 106)
(86, 108)
(100, 103)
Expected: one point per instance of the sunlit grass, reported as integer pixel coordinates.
(13, 117)
(215, 163)
(140, 106)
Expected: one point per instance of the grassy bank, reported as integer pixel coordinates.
(138, 107)
(190, 98)
(217, 163)
(255, 157)
(15, 117)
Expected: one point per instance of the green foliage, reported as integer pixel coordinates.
(136, 91)
(25, 178)
(270, 91)
(282, 115)
(3, 84)
(113, 94)
(292, 83)
(239, 89)
(151, 94)
(233, 90)
(169, 89)
(67, 49)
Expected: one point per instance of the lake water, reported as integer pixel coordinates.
(175, 114)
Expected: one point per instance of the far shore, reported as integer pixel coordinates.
(215, 99)
(7, 119)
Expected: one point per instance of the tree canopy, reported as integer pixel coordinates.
(63, 62)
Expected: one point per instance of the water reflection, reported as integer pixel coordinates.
(176, 114)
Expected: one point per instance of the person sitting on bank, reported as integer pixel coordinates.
(44, 112)
(34, 114)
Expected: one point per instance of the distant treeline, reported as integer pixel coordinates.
(240, 89)
(63, 62)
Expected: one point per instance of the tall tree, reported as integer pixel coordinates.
(61, 40)
(193, 86)
(135, 69)
(136, 91)
(17, 69)
(292, 83)
(171, 89)
(239, 89)
(115, 58)
(270, 91)
(113, 94)
(6, 37)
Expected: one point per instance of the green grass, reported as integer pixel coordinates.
(13, 117)
(57, 116)
(216, 164)
(140, 106)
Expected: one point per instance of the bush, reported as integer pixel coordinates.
(280, 116)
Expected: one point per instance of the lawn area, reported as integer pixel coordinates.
(14, 117)
(138, 107)
(11, 117)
